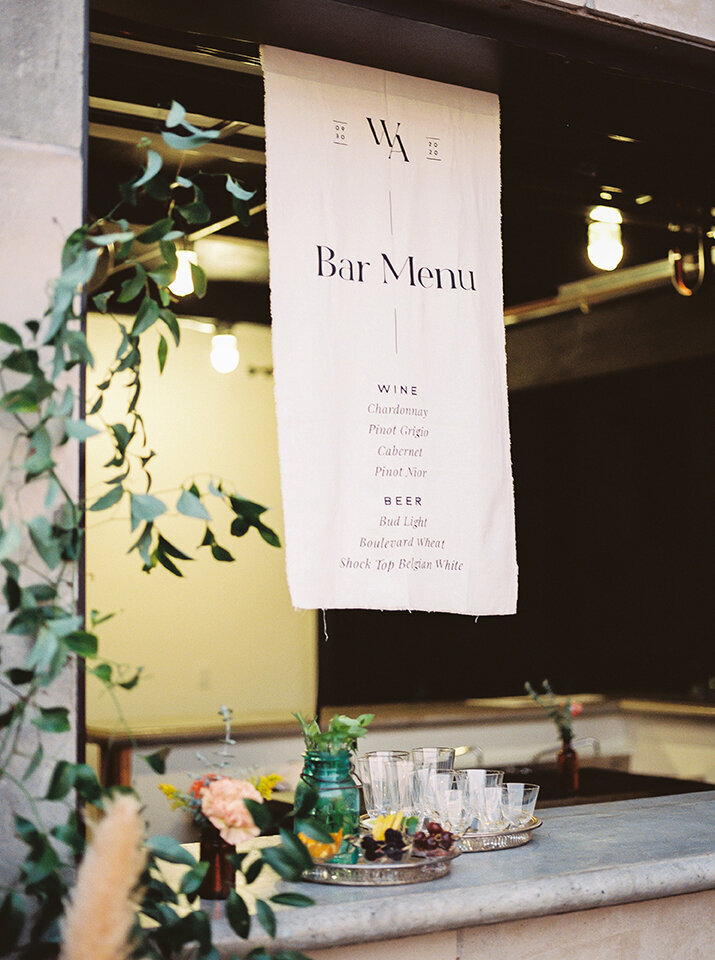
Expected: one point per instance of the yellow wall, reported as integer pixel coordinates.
(226, 632)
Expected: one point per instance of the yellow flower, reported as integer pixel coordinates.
(265, 785)
(176, 797)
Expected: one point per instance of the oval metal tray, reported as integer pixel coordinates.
(364, 874)
(504, 840)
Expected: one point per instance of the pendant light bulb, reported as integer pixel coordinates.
(605, 248)
(224, 353)
(183, 283)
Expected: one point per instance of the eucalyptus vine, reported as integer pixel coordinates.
(38, 366)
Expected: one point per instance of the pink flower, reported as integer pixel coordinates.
(576, 709)
(222, 803)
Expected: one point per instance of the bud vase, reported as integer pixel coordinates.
(567, 761)
(337, 806)
(221, 875)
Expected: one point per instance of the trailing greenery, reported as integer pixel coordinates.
(39, 557)
(342, 733)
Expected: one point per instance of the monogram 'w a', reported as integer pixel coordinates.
(394, 142)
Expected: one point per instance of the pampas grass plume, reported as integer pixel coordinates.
(100, 916)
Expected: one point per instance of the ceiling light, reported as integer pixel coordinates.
(621, 139)
(606, 214)
(605, 249)
(644, 198)
(183, 283)
(605, 196)
(224, 353)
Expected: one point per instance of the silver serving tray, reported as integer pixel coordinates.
(504, 840)
(365, 874)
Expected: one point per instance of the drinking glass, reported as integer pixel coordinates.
(385, 777)
(440, 758)
(518, 802)
(485, 799)
(450, 800)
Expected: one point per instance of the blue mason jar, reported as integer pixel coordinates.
(337, 806)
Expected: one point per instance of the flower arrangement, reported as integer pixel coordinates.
(561, 711)
(219, 800)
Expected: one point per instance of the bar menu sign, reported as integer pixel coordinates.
(388, 339)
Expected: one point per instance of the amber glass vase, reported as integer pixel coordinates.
(221, 874)
(567, 761)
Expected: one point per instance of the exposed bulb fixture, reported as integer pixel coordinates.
(224, 353)
(183, 283)
(605, 247)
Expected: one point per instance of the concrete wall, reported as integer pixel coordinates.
(42, 106)
(695, 18)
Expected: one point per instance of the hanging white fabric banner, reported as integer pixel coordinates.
(388, 339)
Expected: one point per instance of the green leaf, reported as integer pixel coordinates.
(147, 315)
(253, 871)
(40, 458)
(168, 548)
(133, 287)
(315, 830)
(266, 917)
(131, 683)
(190, 505)
(292, 845)
(289, 899)
(144, 507)
(156, 231)
(177, 142)
(284, 865)
(43, 651)
(237, 915)
(10, 335)
(44, 541)
(168, 252)
(10, 540)
(19, 677)
(176, 115)
(246, 508)
(103, 671)
(199, 278)
(107, 239)
(240, 526)
(305, 800)
(261, 814)
(102, 299)
(153, 166)
(108, 499)
(87, 784)
(166, 848)
(53, 719)
(236, 190)
(157, 761)
(143, 544)
(82, 643)
(79, 430)
(191, 880)
(61, 781)
(270, 536)
(12, 921)
(172, 323)
(69, 834)
(35, 761)
(162, 352)
(219, 553)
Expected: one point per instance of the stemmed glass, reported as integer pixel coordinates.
(448, 800)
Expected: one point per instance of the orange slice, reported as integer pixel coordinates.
(322, 851)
